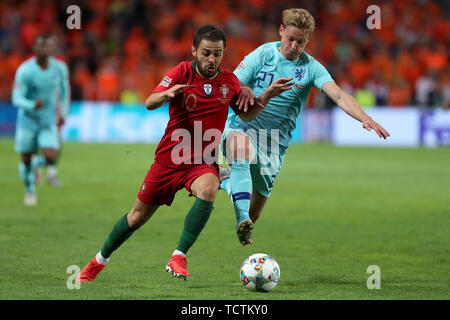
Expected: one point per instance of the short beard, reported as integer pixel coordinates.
(201, 71)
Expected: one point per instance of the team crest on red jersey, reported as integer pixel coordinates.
(207, 88)
(224, 90)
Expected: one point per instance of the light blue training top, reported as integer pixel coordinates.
(31, 83)
(266, 64)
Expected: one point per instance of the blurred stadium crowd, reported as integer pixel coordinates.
(124, 47)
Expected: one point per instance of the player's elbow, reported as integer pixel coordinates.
(149, 107)
(149, 104)
(154, 101)
(15, 100)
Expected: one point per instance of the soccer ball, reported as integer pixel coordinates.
(260, 272)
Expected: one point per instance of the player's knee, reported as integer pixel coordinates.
(50, 161)
(26, 159)
(134, 219)
(137, 217)
(242, 152)
(208, 192)
(50, 155)
(241, 148)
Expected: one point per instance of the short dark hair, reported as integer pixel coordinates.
(211, 33)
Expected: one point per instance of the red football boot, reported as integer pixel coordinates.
(177, 266)
(90, 272)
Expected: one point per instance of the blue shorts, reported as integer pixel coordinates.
(264, 166)
(29, 140)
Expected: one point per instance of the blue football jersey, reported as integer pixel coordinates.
(266, 64)
(31, 83)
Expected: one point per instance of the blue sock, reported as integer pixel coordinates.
(38, 161)
(226, 185)
(240, 185)
(28, 178)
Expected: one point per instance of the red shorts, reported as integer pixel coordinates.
(162, 182)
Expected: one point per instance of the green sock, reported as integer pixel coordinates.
(119, 234)
(194, 223)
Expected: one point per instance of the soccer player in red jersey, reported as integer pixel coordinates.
(200, 93)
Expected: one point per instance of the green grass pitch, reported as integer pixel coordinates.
(334, 211)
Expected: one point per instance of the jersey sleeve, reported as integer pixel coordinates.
(64, 88)
(173, 77)
(237, 89)
(321, 75)
(247, 69)
(20, 89)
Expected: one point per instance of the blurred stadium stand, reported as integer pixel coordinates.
(124, 47)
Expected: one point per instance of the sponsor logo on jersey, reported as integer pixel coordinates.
(240, 66)
(166, 81)
(207, 88)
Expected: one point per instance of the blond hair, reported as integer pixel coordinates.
(299, 18)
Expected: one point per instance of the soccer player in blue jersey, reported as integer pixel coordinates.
(255, 150)
(37, 84)
(38, 161)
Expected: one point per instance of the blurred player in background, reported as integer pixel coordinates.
(200, 93)
(37, 84)
(39, 161)
(253, 167)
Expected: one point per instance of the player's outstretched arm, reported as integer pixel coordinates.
(349, 104)
(157, 99)
(276, 88)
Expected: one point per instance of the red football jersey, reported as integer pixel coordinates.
(197, 115)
